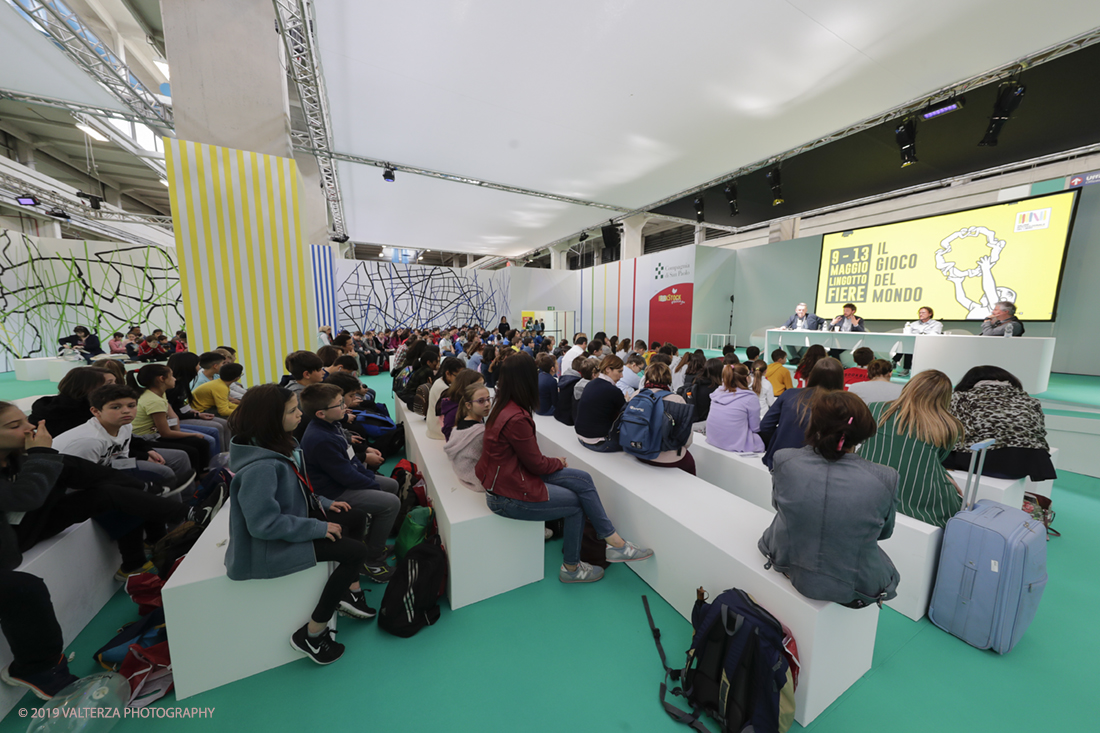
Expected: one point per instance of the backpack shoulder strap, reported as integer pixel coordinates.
(690, 719)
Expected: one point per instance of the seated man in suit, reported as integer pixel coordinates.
(801, 321)
(1002, 321)
(847, 321)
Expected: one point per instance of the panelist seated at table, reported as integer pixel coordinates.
(846, 321)
(1002, 321)
(925, 324)
(801, 321)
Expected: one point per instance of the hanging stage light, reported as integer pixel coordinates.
(941, 108)
(1009, 96)
(584, 236)
(731, 197)
(906, 134)
(699, 208)
(388, 175)
(776, 184)
(26, 200)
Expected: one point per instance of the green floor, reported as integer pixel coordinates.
(550, 657)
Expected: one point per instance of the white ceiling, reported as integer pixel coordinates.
(620, 101)
(30, 63)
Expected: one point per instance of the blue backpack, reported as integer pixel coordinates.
(649, 425)
(374, 424)
(741, 670)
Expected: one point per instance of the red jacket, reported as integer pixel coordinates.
(511, 463)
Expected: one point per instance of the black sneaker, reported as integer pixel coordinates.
(205, 511)
(322, 649)
(44, 684)
(354, 604)
(377, 571)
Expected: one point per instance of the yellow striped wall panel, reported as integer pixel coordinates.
(244, 270)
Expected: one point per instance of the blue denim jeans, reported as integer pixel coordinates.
(213, 439)
(573, 497)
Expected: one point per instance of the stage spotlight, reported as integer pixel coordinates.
(339, 238)
(776, 184)
(699, 208)
(941, 108)
(584, 236)
(93, 200)
(58, 213)
(906, 134)
(388, 175)
(26, 200)
(1009, 96)
(731, 197)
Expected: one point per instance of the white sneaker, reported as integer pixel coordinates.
(584, 573)
(629, 552)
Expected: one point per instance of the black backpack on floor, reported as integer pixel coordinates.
(412, 595)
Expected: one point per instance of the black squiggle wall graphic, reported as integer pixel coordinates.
(48, 287)
(377, 295)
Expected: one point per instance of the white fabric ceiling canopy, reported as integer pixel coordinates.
(623, 102)
(30, 63)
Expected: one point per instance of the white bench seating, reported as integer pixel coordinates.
(487, 555)
(79, 567)
(914, 547)
(224, 630)
(704, 536)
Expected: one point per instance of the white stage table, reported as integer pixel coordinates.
(954, 354)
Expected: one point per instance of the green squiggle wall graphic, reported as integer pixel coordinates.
(50, 286)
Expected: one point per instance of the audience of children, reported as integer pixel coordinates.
(658, 377)
(157, 422)
(448, 370)
(761, 385)
(599, 404)
(778, 374)
(785, 423)
(451, 400)
(863, 356)
(548, 383)
(213, 396)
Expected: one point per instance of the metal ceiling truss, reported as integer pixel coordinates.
(361, 160)
(304, 67)
(73, 107)
(11, 187)
(1050, 53)
(84, 48)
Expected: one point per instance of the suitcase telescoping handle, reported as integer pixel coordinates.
(973, 475)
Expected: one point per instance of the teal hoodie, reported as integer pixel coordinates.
(270, 531)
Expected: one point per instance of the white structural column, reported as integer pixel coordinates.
(633, 242)
(559, 255)
(228, 84)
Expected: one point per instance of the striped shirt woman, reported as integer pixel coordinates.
(916, 433)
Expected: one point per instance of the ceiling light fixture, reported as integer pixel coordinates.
(388, 175)
(584, 236)
(906, 134)
(731, 197)
(939, 109)
(91, 132)
(776, 184)
(1009, 96)
(698, 209)
(26, 200)
(58, 213)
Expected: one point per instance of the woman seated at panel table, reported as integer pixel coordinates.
(916, 432)
(832, 508)
(991, 403)
(785, 424)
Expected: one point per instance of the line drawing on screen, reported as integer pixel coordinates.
(991, 293)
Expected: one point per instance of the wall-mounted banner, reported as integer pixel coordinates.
(672, 282)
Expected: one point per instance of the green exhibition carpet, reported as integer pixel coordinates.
(551, 657)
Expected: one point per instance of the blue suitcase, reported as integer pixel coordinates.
(992, 572)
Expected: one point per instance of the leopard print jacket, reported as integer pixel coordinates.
(998, 410)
